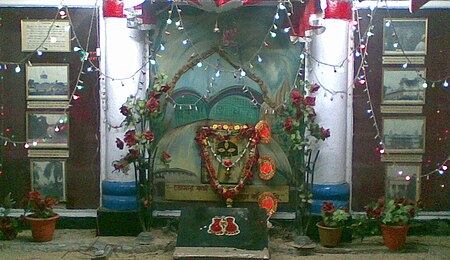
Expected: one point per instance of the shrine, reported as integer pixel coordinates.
(224, 115)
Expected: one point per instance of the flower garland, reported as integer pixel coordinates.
(222, 133)
(228, 163)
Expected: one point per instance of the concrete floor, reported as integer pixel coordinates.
(83, 244)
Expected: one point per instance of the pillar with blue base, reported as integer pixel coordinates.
(123, 53)
(331, 68)
(338, 194)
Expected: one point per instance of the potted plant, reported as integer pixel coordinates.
(394, 217)
(297, 130)
(9, 226)
(332, 224)
(143, 116)
(39, 213)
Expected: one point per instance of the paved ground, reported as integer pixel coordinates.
(83, 244)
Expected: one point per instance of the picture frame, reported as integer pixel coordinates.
(403, 180)
(405, 36)
(45, 35)
(47, 129)
(47, 81)
(403, 86)
(404, 134)
(48, 176)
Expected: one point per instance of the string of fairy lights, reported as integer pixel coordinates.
(361, 78)
(240, 73)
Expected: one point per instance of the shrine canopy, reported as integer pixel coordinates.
(304, 15)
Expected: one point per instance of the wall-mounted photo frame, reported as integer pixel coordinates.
(49, 177)
(403, 86)
(47, 129)
(403, 180)
(404, 134)
(47, 81)
(405, 36)
(45, 35)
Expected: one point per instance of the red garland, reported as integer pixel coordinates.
(247, 175)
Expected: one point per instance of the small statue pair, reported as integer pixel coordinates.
(223, 226)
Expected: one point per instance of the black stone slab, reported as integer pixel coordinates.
(117, 223)
(194, 223)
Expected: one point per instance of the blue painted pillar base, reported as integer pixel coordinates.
(339, 194)
(119, 196)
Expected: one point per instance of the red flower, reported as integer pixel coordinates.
(132, 155)
(296, 97)
(299, 114)
(119, 143)
(122, 165)
(328, 208)
(130, 138)
(152, 104)
(165, 157)
(309, 101)
(34, 196)
(288, 124)
(149, 135)
(314, 88)
(325, 132)
(227, 163)
(124, 110)
(50, 202)
(378, 212)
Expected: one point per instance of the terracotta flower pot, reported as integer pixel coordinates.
(394, 237)
(42, 229)
(329, 236)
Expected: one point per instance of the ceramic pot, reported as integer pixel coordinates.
(394, 237)
(42, 229)
(329, 236)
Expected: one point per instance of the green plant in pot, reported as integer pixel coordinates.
(40, 215)
(9, 226)
(333, 222)
(394, 217)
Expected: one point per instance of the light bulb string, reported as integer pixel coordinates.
(94, 15)
(419, 74)
(437, 169)
(378, 135)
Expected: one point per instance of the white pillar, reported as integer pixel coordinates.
(332, 48)
(123, 57)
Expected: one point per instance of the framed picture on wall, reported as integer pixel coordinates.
(403, 86)
(403, 180)
(49, 177)
(47, 81)
(405, 36)
(47, 129)
(45, 35)
(404, 134)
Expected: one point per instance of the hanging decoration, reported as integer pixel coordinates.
(269, 202)
(264, 132)
(267, 168)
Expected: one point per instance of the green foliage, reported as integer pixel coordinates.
(333, 217)
(9, 226)
(297, 129)
(394, 212)
(142, 122)
(363, 227)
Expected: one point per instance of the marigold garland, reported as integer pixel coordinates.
(220, 133)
